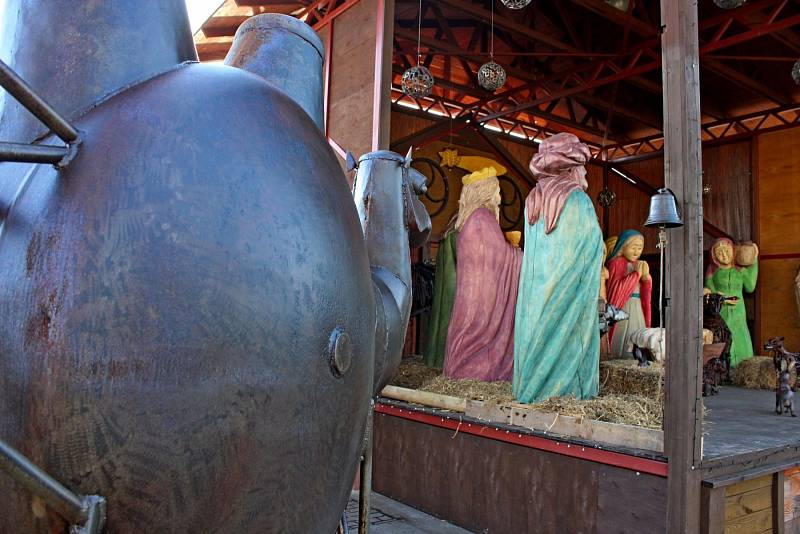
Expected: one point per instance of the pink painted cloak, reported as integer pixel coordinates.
(480, 337)
(621, 285)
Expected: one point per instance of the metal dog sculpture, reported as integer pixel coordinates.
(784, 396)
(712, 320)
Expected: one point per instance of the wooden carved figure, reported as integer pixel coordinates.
(557, 340)
(480, 336)
(713, 321)
(730, 280)
(630, 288)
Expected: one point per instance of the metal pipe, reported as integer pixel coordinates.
(365, 486)
(26, 96)
(32, 153)
(52, 492)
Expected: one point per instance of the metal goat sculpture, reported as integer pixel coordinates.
(195, 313)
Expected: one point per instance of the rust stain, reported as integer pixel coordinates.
(33, 252)
(37, 327)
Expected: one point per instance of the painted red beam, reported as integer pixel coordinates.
(721, 129)
(591, 75)
(592, 454)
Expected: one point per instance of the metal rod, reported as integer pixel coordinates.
(52, 492)
(365, 486)
(26, 96)
(32, 153)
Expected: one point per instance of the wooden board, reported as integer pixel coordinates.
(596, 431)
(778, 306)
(486, 485)
(749, 506)
(748, 502)
(491, 412)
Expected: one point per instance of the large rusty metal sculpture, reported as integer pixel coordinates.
(192, 322)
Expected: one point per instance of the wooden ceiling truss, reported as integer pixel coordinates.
(581, 66)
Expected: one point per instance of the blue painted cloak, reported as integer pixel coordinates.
(556, 336)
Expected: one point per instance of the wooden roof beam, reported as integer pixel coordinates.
(223, 26)
(590, 74)
(500, 21)
(621, 18)
(745, 81)
(213, 51)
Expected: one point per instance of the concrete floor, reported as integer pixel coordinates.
(392, 517)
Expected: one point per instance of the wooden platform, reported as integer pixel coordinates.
(741, 421)
(545, 422)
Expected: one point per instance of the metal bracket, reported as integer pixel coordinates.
(86, 513)
(31, 153)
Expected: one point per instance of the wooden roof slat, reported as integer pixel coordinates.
(618, 17)
(223, 26)
(501, 21)
(744, 81)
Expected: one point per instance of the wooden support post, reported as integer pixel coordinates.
(359, 103)
(778, 525)
(712, 520)
(683, 175)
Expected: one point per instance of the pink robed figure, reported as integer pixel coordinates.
(480, 338)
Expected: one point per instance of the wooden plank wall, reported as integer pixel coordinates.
(778, 230)
(729, 205)
(492, 487)
(352, 83)
(749, 506)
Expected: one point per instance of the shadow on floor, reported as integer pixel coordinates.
(391, 517)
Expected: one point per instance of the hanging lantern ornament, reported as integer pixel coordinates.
(729, 4)
(796, 72)
(606, 198)
(491, 76)
(418, 81)
(515, 4)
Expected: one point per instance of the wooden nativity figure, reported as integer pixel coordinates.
(480, 336)
(444, 281)
(557, 340)
(630, 288)
(727, 278)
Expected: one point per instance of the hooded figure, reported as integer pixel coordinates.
(630, 288)
(480, 336)
(557, 339)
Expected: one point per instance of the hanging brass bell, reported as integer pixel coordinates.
(663, 210)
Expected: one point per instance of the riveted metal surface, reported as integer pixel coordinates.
(165, 300)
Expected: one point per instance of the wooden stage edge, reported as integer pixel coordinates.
(471, 417)
(641, 461)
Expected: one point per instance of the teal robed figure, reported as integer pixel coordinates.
(557, 338)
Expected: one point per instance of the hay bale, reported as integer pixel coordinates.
(625, 377)
(757, 372)
(413, 374)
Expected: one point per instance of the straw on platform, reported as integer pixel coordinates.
(641, 406)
